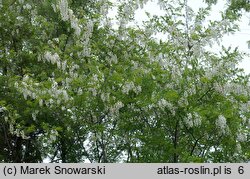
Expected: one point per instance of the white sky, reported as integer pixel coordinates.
(239, 39)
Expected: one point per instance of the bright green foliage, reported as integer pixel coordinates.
(74, 87)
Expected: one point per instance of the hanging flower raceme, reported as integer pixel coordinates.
(221, 124)
(63, 7)
(68, 15)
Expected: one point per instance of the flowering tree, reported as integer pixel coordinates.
(74, 87)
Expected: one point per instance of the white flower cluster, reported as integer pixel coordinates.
(112, 58)
(128, 10)
(40, 102)
(241, 137)
(213, 71)
(105, 97)
(58, 93)
(216, 32)
(63, 7)
(219, 88)
(73, 70)
(53, 135)
(238, 148)
(130, 86)
(55, 59)
(79, 91)
(237, 89)
(86, 38)
(95, 84)
(193, 120)
(117, 106)
(183, 101)
(34, 114)
(162, 103)
(52, 58)
(231, 88)
(67, 14)
(74, 23)
(93, 91)
(221, 124)
(26, 88)
(245, 107)
(30, 89)
(176, 72)
(17, 132)
(104, 8)
(2, 109)
(162, 4)
(27, 6)
(162, 59)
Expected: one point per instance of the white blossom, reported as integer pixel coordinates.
(162, 103)
(127, 87)
(33, 116)
(197, 119)
(54, 7)
(17, 132)
(51, 101)
(183, 101)
(221, 124)
(63, 7)
(25, 94)
(53, 135)
(53, 58)
(40, 102)
(137, 89)
(23, 135)
(6, 118)
(130, 86)
(2, 109)
(27, 6)
(11, 128)
(114, 58)
(105, 97)
(95, 78)
(193, 120)
(58, 101)
(241, 137)
(238, 148)
(189, 121)
(104, 9)
(117, 106)
(244, 107)
(33, 95)
(26, 78)
(65, 95)
(79, 91)
(58, 63)
(64, 65)
(93, 90)
(74, 23)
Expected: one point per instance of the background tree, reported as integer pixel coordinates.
(75, 88)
